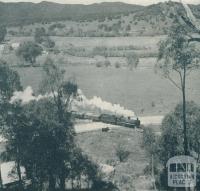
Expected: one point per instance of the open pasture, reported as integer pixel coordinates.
(141, 41)
(97, 41)
(140, 90)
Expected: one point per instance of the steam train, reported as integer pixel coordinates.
(109, 119)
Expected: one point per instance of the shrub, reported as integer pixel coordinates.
(3, 32)
(29, 51)
(149, 141)
(121, 153)
(39, 35)
(117, 65)
(132, 60)
(153, 104)
(99, 64)
(56, 25)
(48, 43)
(107, 63)
(128, 28)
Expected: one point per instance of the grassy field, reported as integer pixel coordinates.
(140, 90)
(101, 147)
(144, 41)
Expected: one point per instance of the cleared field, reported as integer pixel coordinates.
(98, 41)
(140, 90)
(144, 41)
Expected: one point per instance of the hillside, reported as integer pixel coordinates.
(96, 20)
(101, 147)
(158, 18)
(26, 12)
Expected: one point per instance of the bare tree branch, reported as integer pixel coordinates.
(180, 75)
(173, 82)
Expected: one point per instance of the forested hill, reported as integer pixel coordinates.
(26, 12)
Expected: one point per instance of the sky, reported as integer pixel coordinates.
(140, 2)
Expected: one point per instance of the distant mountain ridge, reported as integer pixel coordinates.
(27, 12)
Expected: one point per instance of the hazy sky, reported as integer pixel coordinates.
(143, 2)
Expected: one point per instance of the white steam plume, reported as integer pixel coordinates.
(99, 104)
(81, 103)
(26, 96)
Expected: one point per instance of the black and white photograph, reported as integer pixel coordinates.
(100, 95)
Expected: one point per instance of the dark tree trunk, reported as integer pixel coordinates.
(62, 181)
(184, 113)
(72, 183)
(19, 176)
(40, 185)
(88, 183)
(19, 170)
(80, 183)
(52, 182)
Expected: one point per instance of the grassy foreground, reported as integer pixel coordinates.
(101, 147)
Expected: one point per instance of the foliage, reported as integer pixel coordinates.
(41, 37)
(99, 64)
(107, 63)
(178, 55)
(150, 141)
(171, 142)
(29, 51)
(38, 141)
(128, 28)
(175, 53)
(3, 32)
(48, 42)
(40, 33)
(40, 135)
(63, 93)
(56, 25)
(43, 145)
(54, 82)
(132, 60)
(53, 145)
(122, 153)
(80, 166)
(117, 65)
(100, 185)
(9, 81)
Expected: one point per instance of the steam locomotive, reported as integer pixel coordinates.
(109, 119)
(119, 120)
